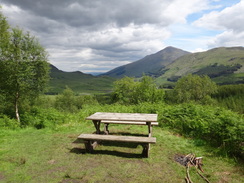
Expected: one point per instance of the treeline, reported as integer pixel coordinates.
(216, 70)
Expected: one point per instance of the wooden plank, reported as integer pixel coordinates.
(129, 122)
(117, 138)
(123, 117)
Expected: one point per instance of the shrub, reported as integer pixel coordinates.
(66, 101)
(128, 91)
(69, 102)
(8, 123)
(42, 118)
(221, 128)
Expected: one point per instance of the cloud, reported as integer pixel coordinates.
(229, 22)
(95, 13)
(227, 38)
(96, 34)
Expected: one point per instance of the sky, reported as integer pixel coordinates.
(100, 35)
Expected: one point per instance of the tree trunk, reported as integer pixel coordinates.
(16, 107)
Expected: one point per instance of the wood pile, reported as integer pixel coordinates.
(188, 161)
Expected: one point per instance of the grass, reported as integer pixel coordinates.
(30, 155)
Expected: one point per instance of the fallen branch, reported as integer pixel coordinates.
(188, 161)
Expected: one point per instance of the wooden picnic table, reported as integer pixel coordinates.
(91, 140)
(123, 118)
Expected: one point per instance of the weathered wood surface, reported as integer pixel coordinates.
(136, 117)
(97, 137)
(128, 122)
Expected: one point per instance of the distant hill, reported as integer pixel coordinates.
(79, 82)
(225, 65)
(149, 65)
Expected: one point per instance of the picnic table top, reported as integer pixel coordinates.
(140, 117)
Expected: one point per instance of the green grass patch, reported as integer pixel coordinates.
(30, 155)
(50, 154)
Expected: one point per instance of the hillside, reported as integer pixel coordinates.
(78, 82)
(224, 65)
(149, 65)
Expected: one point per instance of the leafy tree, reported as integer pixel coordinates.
(124, 90)
(24, 70)
(66, 101)
(129, 91)
(4, 36)
(194, 88)
(147, 91)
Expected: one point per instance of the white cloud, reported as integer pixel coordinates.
(228, 39)
(178, 11)
(229, 21)
(229, 18)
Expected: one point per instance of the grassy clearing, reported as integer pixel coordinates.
(30, 155)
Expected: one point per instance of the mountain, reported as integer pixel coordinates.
(149, 65)
(225, 65)
(79, 82)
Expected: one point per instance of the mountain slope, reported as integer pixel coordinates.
(78, 82)
(221, 64)
(149, 65)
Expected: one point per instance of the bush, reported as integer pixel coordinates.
(8, 123)
(68, 102)
(221, 128)
(128, 91)
(42, 118)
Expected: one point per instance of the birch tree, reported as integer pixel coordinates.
(24, 68)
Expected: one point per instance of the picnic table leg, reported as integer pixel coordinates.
(106, 131)
(149, 129)
(149, 132)
(145, 151)
(89, 146)
(97, 126)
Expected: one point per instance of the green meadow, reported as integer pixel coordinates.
(52, 153)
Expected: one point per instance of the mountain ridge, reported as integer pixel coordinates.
(148, 65)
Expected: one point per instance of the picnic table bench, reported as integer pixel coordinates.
(91, 140)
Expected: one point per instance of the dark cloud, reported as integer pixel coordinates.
(93, 13)
(90, 35)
